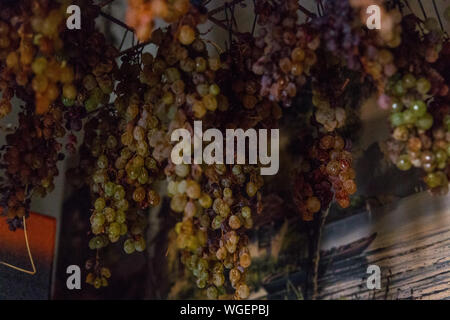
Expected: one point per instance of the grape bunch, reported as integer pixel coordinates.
(9, 39)
(331, 117)
(37, 68)
(136, 162)
(216, 202)
(287, 50)
(124, 167)
(420, 129)
(217, 208)
(30, 161)
(36, 62)
(189, 78)
(416, 96)
(115, 214)
(95, 76)
(141, 13)
(242, 88)
(98, 274)
(325, 171)
(338, 32)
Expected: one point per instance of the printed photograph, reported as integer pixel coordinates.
(224, 157)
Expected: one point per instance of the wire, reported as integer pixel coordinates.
(33, 267)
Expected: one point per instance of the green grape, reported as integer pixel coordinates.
(178, 203)
(419, 108)
(140, 244)
(102, 162)
(409, 117)
(227, 193)
(441, 155)
(119, 192)
(109, 189)
(120, 216)
(246, 212)
(128, 246)
(251, 189)
(143, 176)
(97, 243)
(404, 163)
(98, 219)
(202, 264)
(212, 293)
(214, 89)
(39, 65)
(133, 173)
(90, 104)
(409, 81)
(93, 244)
(114, 230)
(399, 89)
(433, 180)
(205, 201)
(218, 279)
(122, 204)
(396, 106)
(200, 64)
(201, 283)
(97, 283)
(397, 119)
(110, 214)
(423, 86)
(217, 222)
(99, 204)
(425, 122)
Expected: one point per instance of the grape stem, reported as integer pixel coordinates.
(116, 21)
(134, 48)
(105, 3)
(316, 253)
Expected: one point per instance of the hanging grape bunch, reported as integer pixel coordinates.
(203, 194)
(36, 63)
(330, 117)
(9, 40)
(325, 171)
(30, 160)
(418, 109)
(242, 87)
(141, 14)
(288, 50)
